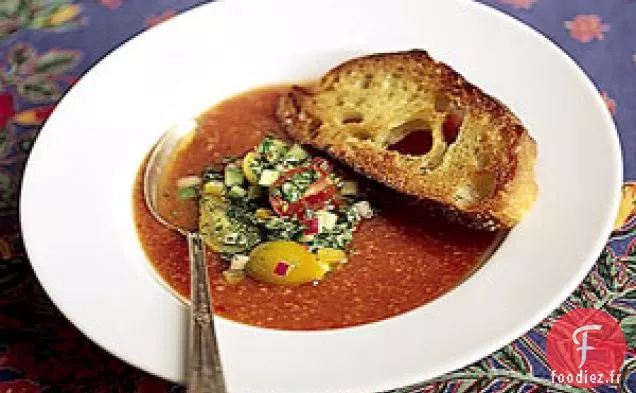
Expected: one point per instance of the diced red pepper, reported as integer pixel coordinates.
(312, 225)
(282, 268)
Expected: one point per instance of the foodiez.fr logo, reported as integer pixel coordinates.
(586, 348)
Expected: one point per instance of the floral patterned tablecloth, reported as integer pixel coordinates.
(46, 45)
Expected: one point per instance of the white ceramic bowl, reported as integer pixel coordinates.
(85, 251)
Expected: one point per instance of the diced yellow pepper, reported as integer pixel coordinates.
(215, 188)
(247, 167)
(284, 262)
(330, 257)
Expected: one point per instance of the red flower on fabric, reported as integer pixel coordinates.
(611, 103)
(7, 109)
(525, 4)
(112, 4)
(585, 28)
(154, 20)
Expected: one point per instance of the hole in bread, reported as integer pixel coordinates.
(451, 126)
(401, 131)
(352, 118)
(417, 142)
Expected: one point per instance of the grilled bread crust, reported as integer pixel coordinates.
(481, 172)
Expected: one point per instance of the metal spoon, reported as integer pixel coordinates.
(204, 366)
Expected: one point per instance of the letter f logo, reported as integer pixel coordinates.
(584, 348)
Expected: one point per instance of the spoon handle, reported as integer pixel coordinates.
(204, 368)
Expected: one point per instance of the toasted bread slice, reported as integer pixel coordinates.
(416, 125)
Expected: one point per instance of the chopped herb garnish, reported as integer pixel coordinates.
(277, 192)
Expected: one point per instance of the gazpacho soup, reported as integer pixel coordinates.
(295, 240)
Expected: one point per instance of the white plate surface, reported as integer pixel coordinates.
(85, 251)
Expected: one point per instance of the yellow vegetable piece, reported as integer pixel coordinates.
(330, 257)
(263, 213)
(284, 262)
(214, 188)
(216, 227)
(247, 168)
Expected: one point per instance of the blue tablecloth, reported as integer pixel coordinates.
(45, 45)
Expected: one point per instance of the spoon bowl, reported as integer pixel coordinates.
(204, 372)
(160, 157)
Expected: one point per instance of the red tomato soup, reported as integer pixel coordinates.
(403, 256)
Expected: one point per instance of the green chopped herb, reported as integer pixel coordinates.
(291, 192)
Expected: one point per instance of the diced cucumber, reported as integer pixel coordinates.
(239, 261)
(233, 175)
(296, 153)
(187, 192)
(268, 177)
(364, 209)
(234, 276)
(307, 238)
(237, 192)
(326, 220)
